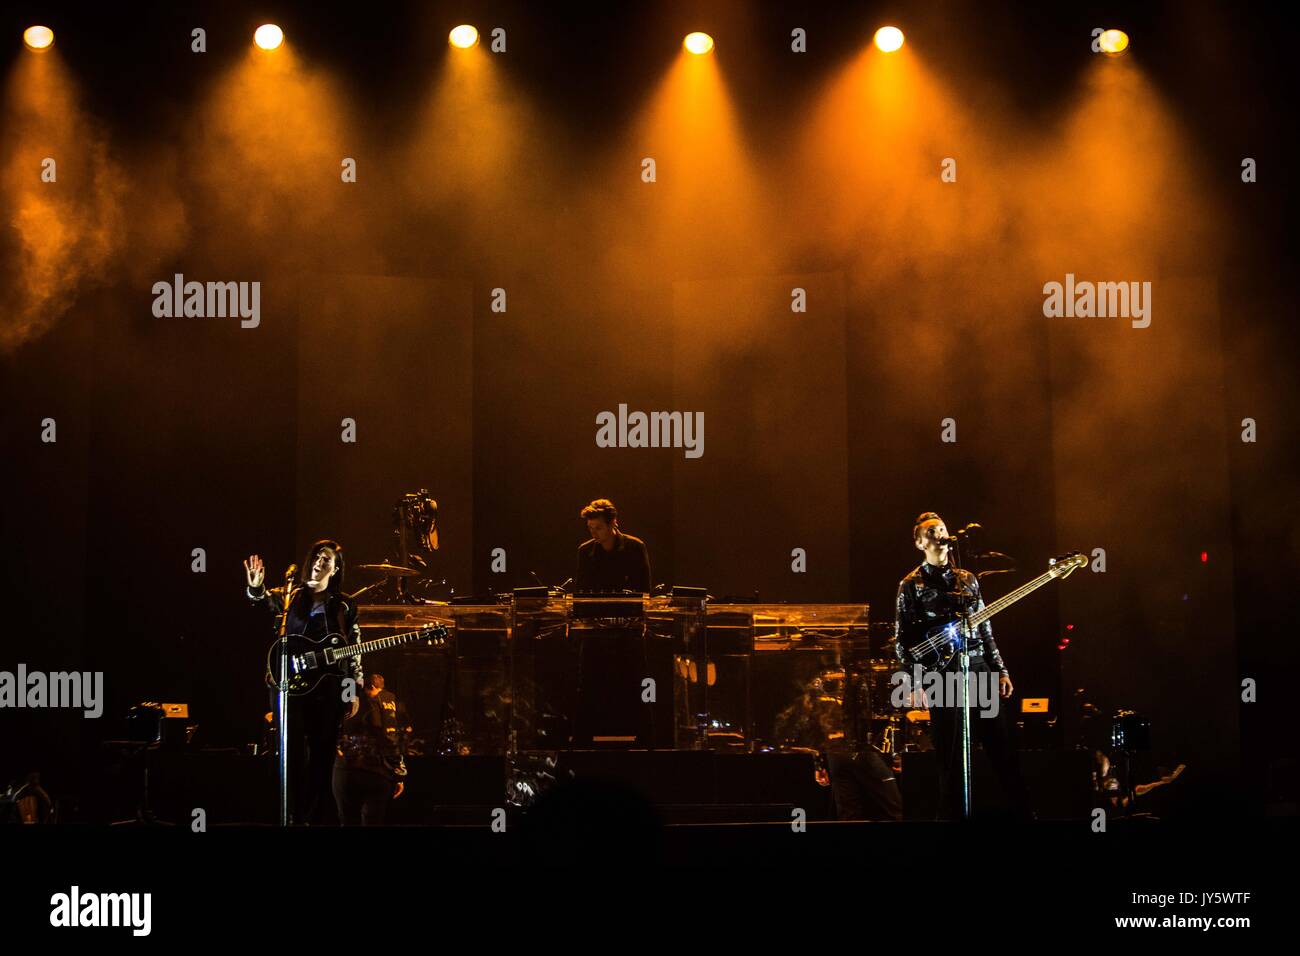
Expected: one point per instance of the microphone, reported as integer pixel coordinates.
(565, 585)
(288, 581)
(539, 581)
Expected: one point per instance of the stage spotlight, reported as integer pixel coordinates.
(888, 39)
(268, 36)
(698, 43)
(38, 38)
(463, 37)
(1113, 42)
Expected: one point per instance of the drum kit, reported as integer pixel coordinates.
(863, 689)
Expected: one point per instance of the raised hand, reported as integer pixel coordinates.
(255, 571)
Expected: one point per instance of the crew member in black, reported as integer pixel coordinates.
(611, 561)
(935, 593)
(370, 767)
(862, 785)
(317, 607)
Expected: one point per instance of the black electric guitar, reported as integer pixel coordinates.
(941, 642)
(312, 659)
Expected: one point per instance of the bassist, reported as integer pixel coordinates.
(316, 606)
(933, 593)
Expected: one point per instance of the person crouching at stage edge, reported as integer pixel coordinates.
(316, 607)
(862, 785)
(370, 769)
(933, 594)
(611, 561)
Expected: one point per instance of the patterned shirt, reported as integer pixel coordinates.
(934, 594)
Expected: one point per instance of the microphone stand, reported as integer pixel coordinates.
(283, 707)
(964, 660)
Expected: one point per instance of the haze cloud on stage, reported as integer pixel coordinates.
(61, 237)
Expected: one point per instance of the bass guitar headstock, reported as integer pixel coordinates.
(1066, 564)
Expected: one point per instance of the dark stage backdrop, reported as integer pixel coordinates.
(566, 349)
(1141, 466)
(774, 474)
(394, 355)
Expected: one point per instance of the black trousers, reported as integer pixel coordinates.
(362, 795)
(995, 734)
(313, 738)
(864, 787)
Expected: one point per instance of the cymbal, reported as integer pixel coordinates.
(392, 570)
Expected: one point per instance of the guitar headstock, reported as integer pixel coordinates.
(434, 634)
(1066, 564)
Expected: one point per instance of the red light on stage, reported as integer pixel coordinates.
(1205, 557)
(1069, 627)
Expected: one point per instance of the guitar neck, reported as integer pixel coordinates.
(365, 647)
(1004, 602)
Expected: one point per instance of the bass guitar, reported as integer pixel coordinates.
(941, 642)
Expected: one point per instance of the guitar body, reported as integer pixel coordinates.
(309, 662)
(935, 649)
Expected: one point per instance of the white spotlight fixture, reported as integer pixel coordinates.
(888, 39)
(38, 38)
(268, 36)
(463, 37)
(698, 43)
(1113, 42)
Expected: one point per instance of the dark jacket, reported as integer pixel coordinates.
(625, 567)
(929, 596)
(374, 739)
(340, 616)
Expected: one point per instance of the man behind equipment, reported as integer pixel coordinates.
(611, 657)
(611, 561)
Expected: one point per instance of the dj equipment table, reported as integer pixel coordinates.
(552, 673)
